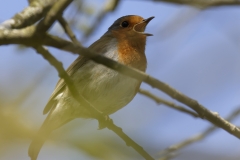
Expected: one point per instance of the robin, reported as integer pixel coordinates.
(106, 89)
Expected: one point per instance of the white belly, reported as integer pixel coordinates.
(110, 90)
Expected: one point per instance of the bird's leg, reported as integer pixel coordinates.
(102, 122)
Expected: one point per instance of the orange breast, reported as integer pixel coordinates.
(131, 53)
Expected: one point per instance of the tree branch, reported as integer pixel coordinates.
(203, 3)
(30, 15)
(198, 137)
(167, 103)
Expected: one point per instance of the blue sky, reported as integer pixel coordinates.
(194, 51)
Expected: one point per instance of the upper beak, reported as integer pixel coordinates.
(140, 27)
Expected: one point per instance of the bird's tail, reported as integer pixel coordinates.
(53, 121)
(58, 116)
(38, 142)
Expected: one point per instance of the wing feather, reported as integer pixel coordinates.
(61, 84)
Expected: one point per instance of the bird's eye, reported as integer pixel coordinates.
(124, 24)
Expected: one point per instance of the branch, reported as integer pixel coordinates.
(169, 156)
(109, 6)
(167, 103)
(30, 15)
(46, 39)
(203, 3)
(198, 137)
(97, 114)
(68, 30)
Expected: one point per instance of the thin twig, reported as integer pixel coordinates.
(198, 137)
(52, 15)
(169, 156)
(109, 6)
(167, 103)
(203, 3)
(68, 30)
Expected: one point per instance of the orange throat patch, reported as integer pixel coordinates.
(131, 52)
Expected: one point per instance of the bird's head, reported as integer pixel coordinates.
(131, 26)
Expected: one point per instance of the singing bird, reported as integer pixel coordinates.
(106, 89)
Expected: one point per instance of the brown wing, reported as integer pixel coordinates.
(99, 46)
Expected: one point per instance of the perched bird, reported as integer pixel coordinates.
(106, 89)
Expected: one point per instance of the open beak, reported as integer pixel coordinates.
(140, 27)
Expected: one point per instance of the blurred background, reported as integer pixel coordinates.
(195, 50)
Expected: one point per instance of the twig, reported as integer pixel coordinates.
(97, 114)
(52, 15)
(167, 103)
(68, 30)
(203, 3)
(198, 137)
(169, 156)
(109, 6)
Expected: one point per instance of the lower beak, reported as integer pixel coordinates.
(140, 27)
